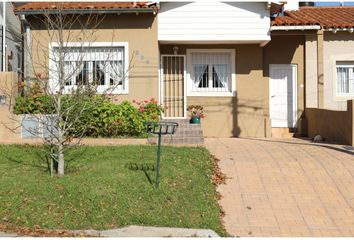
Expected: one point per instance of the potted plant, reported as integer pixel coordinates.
(196, 112)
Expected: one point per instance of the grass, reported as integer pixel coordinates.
(108, 187)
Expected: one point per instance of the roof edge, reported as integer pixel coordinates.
(84, 11)
(297, 27)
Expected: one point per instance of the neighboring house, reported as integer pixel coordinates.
(325, 36)
(10, 63)
(10, 39)
(255, 77)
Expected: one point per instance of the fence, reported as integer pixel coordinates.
(333, 126)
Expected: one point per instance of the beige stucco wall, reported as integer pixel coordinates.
(288, 49)
(246, 114)
(311, 71)
(9, 126)
(336, 47)
(140, 31)
(333, 126)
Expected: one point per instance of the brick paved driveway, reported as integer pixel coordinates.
(285, 187)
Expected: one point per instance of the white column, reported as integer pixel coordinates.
(3, 36)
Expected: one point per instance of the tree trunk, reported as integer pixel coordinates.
(60, 160)
(60, 132)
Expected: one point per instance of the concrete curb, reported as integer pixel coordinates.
(140, 231)
(3, 234)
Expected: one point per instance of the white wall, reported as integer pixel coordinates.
(291, 5)
(209, 21)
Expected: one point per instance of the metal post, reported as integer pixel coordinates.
(156, 128)
(3, 67)
(28, 56)
(158, 160)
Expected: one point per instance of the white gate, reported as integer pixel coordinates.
(173, 85)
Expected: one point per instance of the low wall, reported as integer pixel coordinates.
(9, 124)
(333, 126)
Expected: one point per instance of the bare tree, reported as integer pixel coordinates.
(70, 70)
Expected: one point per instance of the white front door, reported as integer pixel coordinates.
(282, 95)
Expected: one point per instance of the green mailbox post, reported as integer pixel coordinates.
(159, 129)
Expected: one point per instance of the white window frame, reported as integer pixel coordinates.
(230, 93)
(100, 89)
(344, 64)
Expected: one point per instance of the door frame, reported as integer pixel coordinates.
(161, 85)
(294, 69)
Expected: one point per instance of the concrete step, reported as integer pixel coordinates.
(166, 140)
(183, 131)
(185, 134)
(282, 133)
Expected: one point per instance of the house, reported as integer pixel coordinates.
(10, 62)
(180, 56)
(325, 36)
(255, 77)
(10, 39)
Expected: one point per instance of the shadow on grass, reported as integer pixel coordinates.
(13, 154)
(38, 165)
(71, 163)
(41, 160)
(70, 155)
(144, 167)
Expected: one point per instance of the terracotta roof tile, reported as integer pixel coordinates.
(82, 6)
(326, 17)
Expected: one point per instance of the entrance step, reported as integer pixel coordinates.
(186, 134)
(283, 132)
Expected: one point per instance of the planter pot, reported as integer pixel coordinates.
(195, 120)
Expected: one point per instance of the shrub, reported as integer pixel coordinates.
(150, 110)
(35, 101)
(128, 120)
(32, 105)
(102, 119)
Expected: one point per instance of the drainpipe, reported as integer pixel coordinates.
(3, 36)
(28, 53)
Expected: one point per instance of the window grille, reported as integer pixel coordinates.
(345, 78)
(210, 72)
(102, 67)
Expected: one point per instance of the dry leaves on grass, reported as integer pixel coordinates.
(38, 232)
(218, 177)
(50, 233)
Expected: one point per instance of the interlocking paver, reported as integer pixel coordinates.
(285, 187)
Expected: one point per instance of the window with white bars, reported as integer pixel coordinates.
(104, 67)
(211, 72)
(345, 78)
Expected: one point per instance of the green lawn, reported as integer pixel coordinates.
(106, 187)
